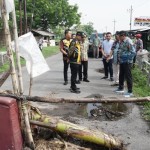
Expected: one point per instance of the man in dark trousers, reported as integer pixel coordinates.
(75, 60)
(106, 50)
(126, 55)
(64, 47)
(84, 59)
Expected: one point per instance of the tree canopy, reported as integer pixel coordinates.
(50, 13)
(87, 28)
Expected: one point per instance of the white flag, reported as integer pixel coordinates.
(30, 51)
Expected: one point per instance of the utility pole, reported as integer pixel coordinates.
(106, 28)
(114, 25)
(25, 16)
(131, 13)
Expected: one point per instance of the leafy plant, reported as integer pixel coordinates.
(141, 89)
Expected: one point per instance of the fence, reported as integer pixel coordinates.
(144, 64)
(146, 69)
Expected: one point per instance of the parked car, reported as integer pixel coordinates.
(90, 51)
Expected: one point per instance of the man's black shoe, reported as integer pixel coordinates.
(78, 82)
(75, 91)
(66, 82)
(104, 77)
(86, 80)
(111, 79)
(75, 88)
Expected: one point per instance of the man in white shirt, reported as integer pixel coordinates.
(106, 49)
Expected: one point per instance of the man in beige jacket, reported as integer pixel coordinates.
(84, 59)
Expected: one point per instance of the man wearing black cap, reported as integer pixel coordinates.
(126, 55)
(75, 60)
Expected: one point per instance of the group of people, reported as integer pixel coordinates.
(74, 48)
(119, 56)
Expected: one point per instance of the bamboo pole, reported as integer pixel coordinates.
(24, 103)
(31, 78)
(20, 81)
(79, 100)
(76, 131)
(88, 100)
(8, 46)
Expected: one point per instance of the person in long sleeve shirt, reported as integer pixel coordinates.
(84, 60)
(126, 55)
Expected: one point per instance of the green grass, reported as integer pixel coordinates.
(146, 111)
(47, 52)
(141, 89)
(2, 48)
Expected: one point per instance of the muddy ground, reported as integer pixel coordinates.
(122, 121)
(129, 126)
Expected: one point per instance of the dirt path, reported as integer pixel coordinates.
(131, 128)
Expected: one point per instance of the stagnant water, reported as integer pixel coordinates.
(97, 111)
(114, 111)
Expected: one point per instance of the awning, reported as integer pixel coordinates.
(44, 33)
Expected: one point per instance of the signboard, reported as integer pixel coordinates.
(142, 21)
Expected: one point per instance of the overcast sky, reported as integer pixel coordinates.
(103, 12)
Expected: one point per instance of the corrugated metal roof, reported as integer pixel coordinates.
(144, 29)
(141, 29)
(44, 33)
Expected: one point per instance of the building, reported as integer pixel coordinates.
(48, 37)
(145, 36)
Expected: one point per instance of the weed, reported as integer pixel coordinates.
(141, 89)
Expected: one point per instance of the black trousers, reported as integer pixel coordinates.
(134, 60)
(74, 71)
(84, 65)
(66, 65)
(108, 68)
(125, 74)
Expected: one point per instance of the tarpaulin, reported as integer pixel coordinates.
(30, 51)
